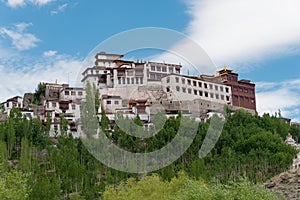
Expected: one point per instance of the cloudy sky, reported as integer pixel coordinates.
(47, 40)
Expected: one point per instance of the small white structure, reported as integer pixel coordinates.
(296, 162)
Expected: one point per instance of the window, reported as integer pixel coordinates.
(130, 73)
(141, 80)
(235, 88)
(205, 85)
(217, 96)
(236, 97)
(241, 89)
(123, 80)
(183, 81)
(216, 87)
(221, 88)
(119, 81)
(164, 69)
(171, 70)
(195, 83)
(177, 79)
(211, 95)
(168, 89)
(189, 82)
(227, 90)
(158, 69)
(67, 93)
(199, 84)
(247, 99)
(195, 92)
(128, 80)
(184, 90)
(132, 80)
(200, 93)
(206, 94)
(246, 90)
(108, 102)
(137, 80)
(177, 88)
(73, 93)
(152, 76)
(241, 98)
(116, 102)
(190, 91)
(80, 93)
(152, 68)
(210, 86)
(97, 72)
(168, 80)
(222, 97)
(73, 106)
(252, 100)
(227, 98)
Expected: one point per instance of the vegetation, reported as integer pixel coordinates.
(184, 188)
(251, 147)
(39, 93)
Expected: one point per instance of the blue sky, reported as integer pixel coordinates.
(46, 40)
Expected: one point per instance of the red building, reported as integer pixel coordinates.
(243, 91)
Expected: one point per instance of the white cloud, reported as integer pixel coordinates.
(240, 32)
(21, 3)
(18, 81)
(20, 39)
(15, 3)
(50, 53)
(284, 96)
(40, 2)
(60, 8)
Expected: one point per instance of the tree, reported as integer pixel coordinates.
(48, 122)
(25, 158)
(13, 185)
(10, 137)
(39, 92)
(63, 126)
(97, 98)
(46, 188)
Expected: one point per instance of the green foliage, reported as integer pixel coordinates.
(26, 154)
(104, 122)
(97, 98)
(184, 188)
(45, 188)
(13, 185)
(39, 92)
(249, 146)
(63, 126)
(48, 122)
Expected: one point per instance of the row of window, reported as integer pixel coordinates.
(73, 93)
(200, 84)
(109, 102)
(50, 104)
(137, 80)
(161, 69)
(164, 69)
(95, 72)
(156, 76)
(201, 93)
(242, 98)
(243, 89)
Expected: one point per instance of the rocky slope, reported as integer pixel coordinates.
(287, 183)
